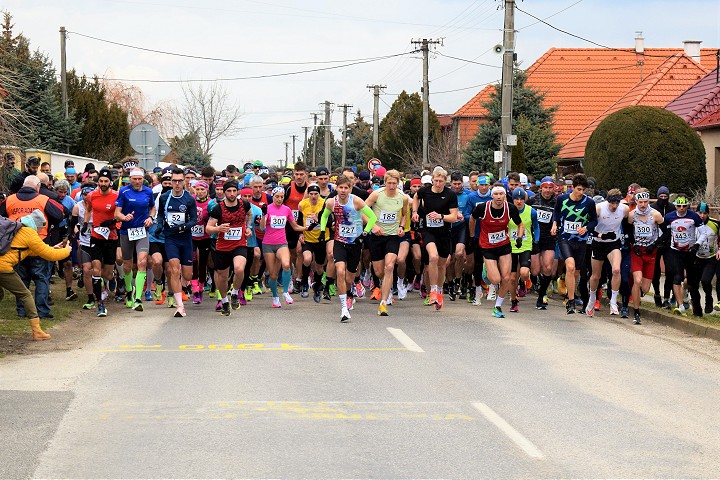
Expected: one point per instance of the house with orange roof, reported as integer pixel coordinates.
(699, 105)
(586, 83)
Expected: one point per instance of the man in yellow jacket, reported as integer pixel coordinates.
(25, 243)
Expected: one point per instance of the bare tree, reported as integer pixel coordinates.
(131, 99)
(208, 112)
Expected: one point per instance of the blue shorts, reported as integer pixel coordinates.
(181, 248)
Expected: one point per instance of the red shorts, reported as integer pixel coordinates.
(643, 263)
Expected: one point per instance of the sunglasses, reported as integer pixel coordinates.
(177, 181)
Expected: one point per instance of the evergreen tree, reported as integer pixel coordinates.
(33, 93)
(518, 157)
(532, 123)
(105, 128)
(401, 132)
(190, 151)
(358, 140)
(335, 148)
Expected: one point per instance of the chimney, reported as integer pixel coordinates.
(639, 43)
(692, 49)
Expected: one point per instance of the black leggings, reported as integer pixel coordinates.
(201, 249)
(667, 288)
(705, 271)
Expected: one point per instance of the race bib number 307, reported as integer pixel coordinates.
(277, 222)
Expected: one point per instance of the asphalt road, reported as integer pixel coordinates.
(293, 393)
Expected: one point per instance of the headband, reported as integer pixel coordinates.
(200, 183)
(246, 191)
(498, 189)
(415, 181)
(277, 190)
(642, 196)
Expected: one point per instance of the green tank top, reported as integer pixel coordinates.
(388, 211)
(526, 217)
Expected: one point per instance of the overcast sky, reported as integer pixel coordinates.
(321, 31)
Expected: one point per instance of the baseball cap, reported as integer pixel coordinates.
(547, 180)
(33, 160)
(70, 171)
(322, 171)
(523, 179)
(69, 163)
(257, 163)
(483, 180)
(167, 172)
(364, 176)
(426, 179)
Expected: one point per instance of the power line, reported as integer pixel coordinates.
(550, 16)
(626, 50)
(255, 77)
(467, 61)
(467, 88)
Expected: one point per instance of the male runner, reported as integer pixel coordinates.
(521, 254)
(545, 266)
(314, 251)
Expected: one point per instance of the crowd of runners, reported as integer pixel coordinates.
(230, 238)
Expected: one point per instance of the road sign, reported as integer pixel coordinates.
(498, 156)
(145, 140)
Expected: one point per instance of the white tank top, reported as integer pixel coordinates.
(610, 221)
(646, 230)
(83, 240)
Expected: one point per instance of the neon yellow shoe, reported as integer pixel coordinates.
(382, 310)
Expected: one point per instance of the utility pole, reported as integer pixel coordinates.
(507, 86)
(305, 145)
(425, 48)
(314, 138)
(286, 154)
(63, 71)
(328, 162)
(294, 137)
(376, 113)
(344, 131)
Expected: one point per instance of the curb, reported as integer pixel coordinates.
(683, 324)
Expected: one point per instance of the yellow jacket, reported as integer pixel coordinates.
(27, 243)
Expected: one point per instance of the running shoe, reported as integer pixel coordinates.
(491, 292)
(148, 296)
(304, 291)
(350, 303)
(570, 308)
(452, 294)
(180, 312)
(241, 298)
(344, 315)
(439, 301)
(477, 296)
(256, 289)
(624, 312)
(367, 278)
(614, 309)
(317, 295)
(288, 298)
(390, 300)
(677, 311)
(171, 302)
(540, 305)
(101, 310)
(666, 305)
(522, 291)
(590, 310)
(498, 313)
(184, 295)
(276, 302)
(382, 310)
(376, 294)
(708, 307)
(225, 309)
(332, 290)
(71, 295)
(658, 301)
(219, 305)
(426, 302)
(129, 300)
(89, 306)
(561, 287)
(137, 306)
(416, 283)
(197, 299)
(636, 320)
(249, 293)
(597, 305)
(158, 294)
(433, 297)
(402, 289)
(514, 306)
(717, 307)
(359, 290)
(326, 293)
(234, 301)
(112, 284)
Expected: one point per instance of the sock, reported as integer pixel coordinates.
(343, 300)
(592, 298)
(544, 284)
(178, 300)
(149, 277)
(681, 307)
(613, 297)
(234, 291)
(225, 299)
(139, 285)
(97, 287)
(499, 301)
(273, 287)
(305, 274)
(128, 281)
(194, 285)
(286, 280)
(636, 311)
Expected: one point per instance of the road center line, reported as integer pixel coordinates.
(405, 340)
(517, 437)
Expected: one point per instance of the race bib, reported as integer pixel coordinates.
(544, 216)
(571, 227)
(136, 233)
(348, 230)
(437, 222)
(387, 217)
(680, 237)
(175, 218)
(277, 222)
(514, 235)
(198, 230)
(234, 233)
(497, 237)
(102, 231)
(642, 230)
(308, 221)
(296, 214)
